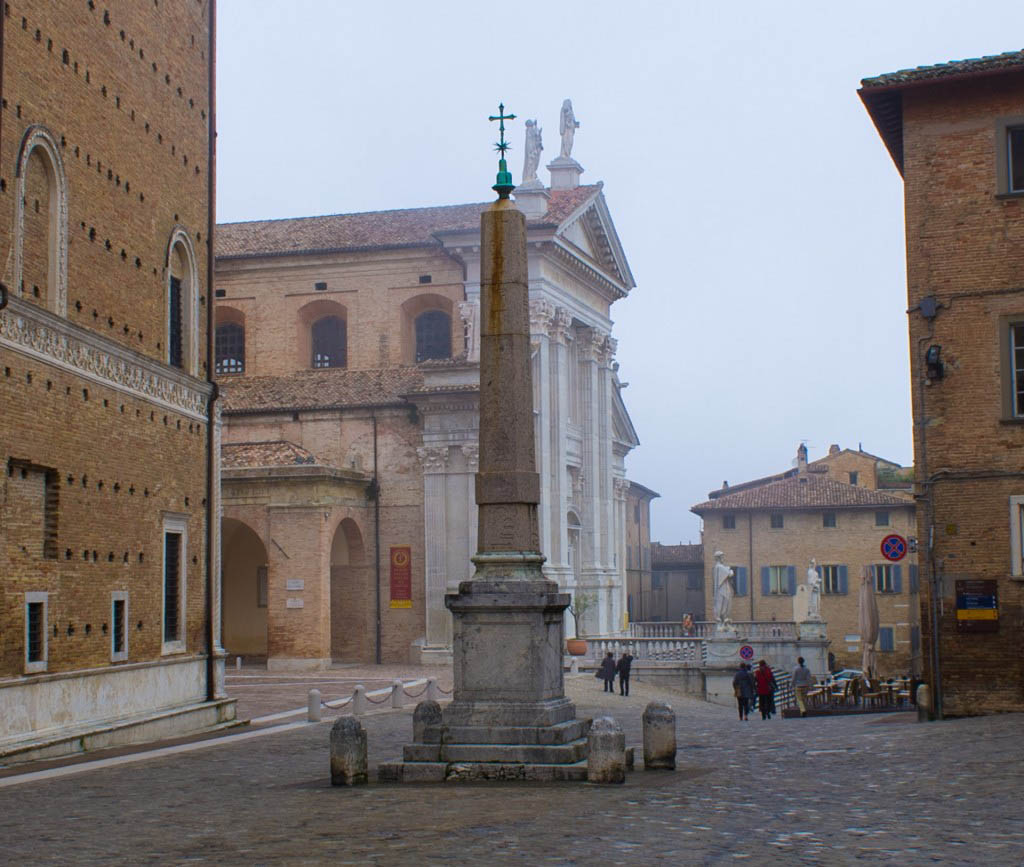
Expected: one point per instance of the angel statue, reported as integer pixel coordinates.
(534, 146)
(567, 126)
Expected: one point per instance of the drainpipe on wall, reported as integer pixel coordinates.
(376, 541)
(211, 456)
(750, 561)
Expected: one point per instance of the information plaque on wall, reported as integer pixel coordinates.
(401, 576)
(977, 606)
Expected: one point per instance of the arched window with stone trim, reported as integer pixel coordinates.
(329, 342)
(229, 341)
(433, 335)
(182, 311)
(40, 221)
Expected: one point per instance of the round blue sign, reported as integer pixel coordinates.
(894, 547)
(747, 652)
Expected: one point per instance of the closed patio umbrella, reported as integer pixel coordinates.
(868, 620)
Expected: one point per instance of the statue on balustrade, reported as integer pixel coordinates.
(813, 591)
(722, 578)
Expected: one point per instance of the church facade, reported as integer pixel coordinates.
(348, 357)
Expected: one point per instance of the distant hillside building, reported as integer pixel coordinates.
(347, 354)
(956, 134)
(109, 607)
(836, 511)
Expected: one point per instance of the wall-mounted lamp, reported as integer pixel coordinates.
(933, 362)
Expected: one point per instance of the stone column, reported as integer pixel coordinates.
(541, 314)
(507, 620)
(434, 460)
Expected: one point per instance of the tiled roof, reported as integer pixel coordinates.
(319, 389)
(399, 228)
(273, 453)
(951, 69)
(669, 554)
(807, 492)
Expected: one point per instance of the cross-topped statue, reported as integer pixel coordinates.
(503, 186)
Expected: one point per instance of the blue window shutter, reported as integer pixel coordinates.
(915, 581)
(766, 582)
(885, 640)
(897, 578)
(791, 576)
(843, 588)
(915, 638)
(741, 580)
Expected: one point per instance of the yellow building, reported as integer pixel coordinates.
(836, 510)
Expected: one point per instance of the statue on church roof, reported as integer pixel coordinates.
(567, 126)
(534, 145)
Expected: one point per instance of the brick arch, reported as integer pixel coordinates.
(412, 309)
(180, 262)
(229, 356)
(308, 315)
(39, 139)
(243, 555)
(351, 594)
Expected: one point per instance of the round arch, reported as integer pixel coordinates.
(245, 583)
(180, 263)
(351, 605)
(420, 306)
(309, 315)
(38, 138)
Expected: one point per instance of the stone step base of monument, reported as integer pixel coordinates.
(470, 771)
(560, 733)
(558, 754)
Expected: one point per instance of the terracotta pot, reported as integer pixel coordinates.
(576, 646)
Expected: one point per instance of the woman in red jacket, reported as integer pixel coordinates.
(765, 680)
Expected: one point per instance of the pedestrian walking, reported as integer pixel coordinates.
(764, 677)
(622, 667)
(607, 672)
(744, 687)
(802, 681)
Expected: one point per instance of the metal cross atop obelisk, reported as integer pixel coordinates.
(503, 186)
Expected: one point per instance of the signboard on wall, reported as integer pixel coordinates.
(401, 576)
(977, 606)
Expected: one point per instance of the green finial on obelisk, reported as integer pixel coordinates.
(503, 186)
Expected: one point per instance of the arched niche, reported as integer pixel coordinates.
(351, 603)
(426, 309)
(320, 311)
(246, 589)
(229, 340)
(182, 302)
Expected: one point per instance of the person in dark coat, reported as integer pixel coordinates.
(622, 668)
(745, 688)
(607, 672)
(765, 680)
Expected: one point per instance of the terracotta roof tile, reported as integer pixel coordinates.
(319, 389)
(272, 453)
(669, 554)
(807, 492)
(951, 69)
(399, 228)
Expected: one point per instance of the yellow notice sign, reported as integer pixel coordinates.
(977, 614)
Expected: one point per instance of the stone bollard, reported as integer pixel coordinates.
(238, 663)
(659, 737)
(397, 693)
(348, 753)
(606, 752)
(574, 666)
(924, 703)
(433, 693)
(427, 713)
(359, 703)
(314, 710)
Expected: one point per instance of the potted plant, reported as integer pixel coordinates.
(581, 603)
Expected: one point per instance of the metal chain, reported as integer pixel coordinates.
(374, 701)
(414, 694)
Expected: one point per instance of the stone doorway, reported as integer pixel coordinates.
(351, 603)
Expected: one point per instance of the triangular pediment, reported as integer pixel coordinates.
(590, 234)
(622, 425)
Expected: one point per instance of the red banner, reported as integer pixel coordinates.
(401, 576)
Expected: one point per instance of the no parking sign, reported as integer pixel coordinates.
(894, 547)
(746, 652)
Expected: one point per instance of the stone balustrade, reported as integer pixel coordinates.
(685, 651)
(760, 629)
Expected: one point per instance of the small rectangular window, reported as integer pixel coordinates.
(262, 587)
(728, 522)
(1017, 535)
(175, 583)
(51, 505)
(36, 647)
(882, 518)
(119, 626)
(776, 520)
(853, 477)
(830, 579)
(828, 519)
(777, 579)
(1017, 367)
(883, 575)
(174, 327)
(1015, 158)
(657, 581)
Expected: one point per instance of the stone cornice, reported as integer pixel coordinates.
(51, 339)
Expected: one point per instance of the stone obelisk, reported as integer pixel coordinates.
(509, 717)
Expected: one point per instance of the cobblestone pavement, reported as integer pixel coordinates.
(821, 790)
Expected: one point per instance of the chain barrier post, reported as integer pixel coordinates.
(432, 692)
(359, 703)
(314, 710)
(574, 666)
(397, 696)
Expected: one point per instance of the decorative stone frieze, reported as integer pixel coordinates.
(40, 334)
(433, 458)
(471, 452)
(469, 312)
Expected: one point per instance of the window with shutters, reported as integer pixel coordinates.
(886, 639)
(833, 579)
(778, 579)
(776, 520)
(229, 348)
(886, 577)
(740, 581)
(433, 335)
(329, 342)
(118, 626)
(1017, 535)
(913, 578)
(174, 583)
(36, 645)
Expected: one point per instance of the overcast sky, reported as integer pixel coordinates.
(759, 210)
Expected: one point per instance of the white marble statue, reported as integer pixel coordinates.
(567, 126)
(722, 577)
(813, 591)
(534, 145)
